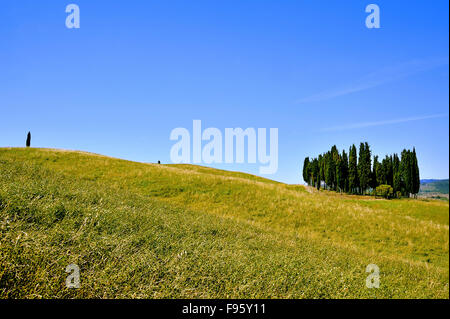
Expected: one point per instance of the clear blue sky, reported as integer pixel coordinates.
(135, 70)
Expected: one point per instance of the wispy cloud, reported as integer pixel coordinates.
(377, 78)
(381, 123)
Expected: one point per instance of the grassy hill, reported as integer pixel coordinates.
(180, 231)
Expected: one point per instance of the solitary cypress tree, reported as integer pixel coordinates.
(28, 139)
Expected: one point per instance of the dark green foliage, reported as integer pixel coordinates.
(364, 167)
(415, 174)
(28, 144)
(375, 170)
(385, 191)
(409, 170)
(306, 170)
(397, 176)
(357, 175)
(344, 169)
(353, 171)
(329, 171)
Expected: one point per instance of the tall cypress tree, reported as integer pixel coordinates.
(364, 167)
(387, 171)
(374, 179)
(368, 159)
(415, 174)
(344, 171)
(406, 172)
(390, 171)
(335, 158)
(397, 176)
(306, 175)
(321, 169)
(315, 172)
(330, 171)
(28, 143)
(352, 170)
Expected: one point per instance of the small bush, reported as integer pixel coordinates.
(385, 191)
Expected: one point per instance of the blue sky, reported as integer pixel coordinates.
(135, 70)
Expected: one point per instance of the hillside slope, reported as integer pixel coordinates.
(181, 231)
(434, 186)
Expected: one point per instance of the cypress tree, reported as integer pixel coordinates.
(406, 171)
(335, 159)
(315, 172)
(364, 167)
(390, 171)
(321, 169)
(344, 171)
(28, 143)
(352, 170)
(329, 171)
(368, 166)
(415, 173)
(387, 171)
(339, 177)
(306, 176)
(397, 176)
(374, 179)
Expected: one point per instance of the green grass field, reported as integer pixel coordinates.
(180, 231)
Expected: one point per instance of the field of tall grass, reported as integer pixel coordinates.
(180, 231)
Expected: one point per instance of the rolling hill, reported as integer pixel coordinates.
(437, 186)
(182, 231)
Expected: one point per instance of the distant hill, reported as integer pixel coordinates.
(434, 186)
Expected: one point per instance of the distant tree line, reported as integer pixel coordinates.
(356, 174)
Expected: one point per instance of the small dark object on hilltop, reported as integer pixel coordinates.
(28, 139)
(159, 162)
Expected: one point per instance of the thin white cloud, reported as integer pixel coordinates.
(381, 123)
(377, 78)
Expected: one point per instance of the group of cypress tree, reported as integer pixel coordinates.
(356, 175)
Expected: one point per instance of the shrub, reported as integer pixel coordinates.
(385, 191)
